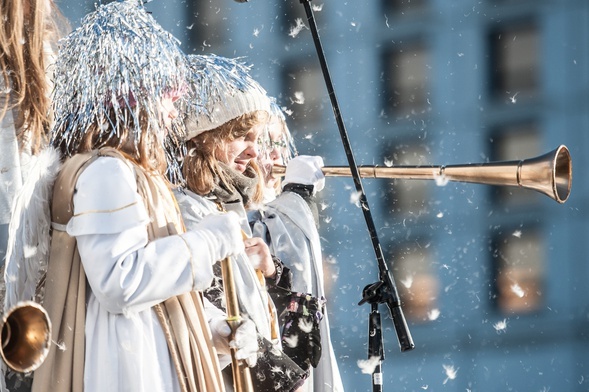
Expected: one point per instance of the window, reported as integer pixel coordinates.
(406, 73)
(513, 143)
(305, 94)
(207, 25)
(519, 268)
(407, 197)
(403, 6)
(515, 62)
(416, 282)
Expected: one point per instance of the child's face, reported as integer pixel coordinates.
(274, 154)
(168, 111)
(239, 152)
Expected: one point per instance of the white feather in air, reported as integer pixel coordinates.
(28, 234)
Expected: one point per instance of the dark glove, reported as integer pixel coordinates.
(301, 337)
(275, 371)
(280, 288)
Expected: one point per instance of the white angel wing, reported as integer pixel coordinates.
(29, 231)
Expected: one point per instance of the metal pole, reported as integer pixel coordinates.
(384, 291)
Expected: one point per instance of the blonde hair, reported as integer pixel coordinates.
(201, 168)
(23, 64)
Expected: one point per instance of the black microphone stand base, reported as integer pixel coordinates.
(373, 295)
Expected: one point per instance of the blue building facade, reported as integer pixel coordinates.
(493, 279)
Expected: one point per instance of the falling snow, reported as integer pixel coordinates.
(29, 251)
(500, 326)
(291, 341)
(317, 7)
(450, 373)
(60, 345)
(433, 314)
(299, 98)
(441, 180)
(305, 325)
(517, 290)
(355, 197)
(367, 366)
(407, 282)
(295, 30)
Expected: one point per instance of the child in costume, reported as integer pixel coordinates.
(123, 280)
(288, 222)
(221, 175)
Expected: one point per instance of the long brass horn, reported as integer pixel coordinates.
(242, 378)
(26, 336)
(550, 174)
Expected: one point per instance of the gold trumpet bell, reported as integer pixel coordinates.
(550, 174)
(26, 336)
(556, 166)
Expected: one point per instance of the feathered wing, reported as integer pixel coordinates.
(29, 231)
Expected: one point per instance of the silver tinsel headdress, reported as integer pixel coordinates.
(118, 64)
(227, 90)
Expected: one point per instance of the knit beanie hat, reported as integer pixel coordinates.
(221, 89)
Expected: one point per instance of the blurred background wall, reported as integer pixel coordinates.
(494, 280)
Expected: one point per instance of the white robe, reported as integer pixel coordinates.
(252, 297)
(295, 240)
(125, 346)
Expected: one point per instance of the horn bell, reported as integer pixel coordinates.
(556, 166)
(26, 336)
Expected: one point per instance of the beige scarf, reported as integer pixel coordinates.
(182, 317)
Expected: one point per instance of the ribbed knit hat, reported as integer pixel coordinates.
(227, 90)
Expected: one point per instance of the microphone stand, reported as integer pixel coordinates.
(385, 290)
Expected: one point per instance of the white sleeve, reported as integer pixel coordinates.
(295, 240)
(126, 272)
(106, 199)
